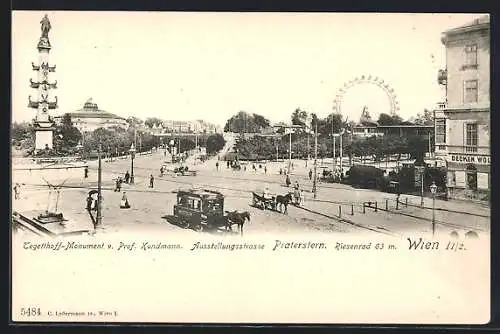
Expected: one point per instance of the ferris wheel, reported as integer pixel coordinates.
(371, 80)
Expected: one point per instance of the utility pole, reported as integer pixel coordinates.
(290, 154)
(430, 150)
(179, 141)
(333, 150)
(341, 151)
(140, 143)
(135, 137)
(308, 152)
(99, 196)
(315, 158)
(277, 151)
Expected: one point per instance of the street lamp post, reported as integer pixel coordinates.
(290, 154)
(315, 159)
(99, 195)
(308, 152)
(341, 150)
(132, 156)
(433, 191)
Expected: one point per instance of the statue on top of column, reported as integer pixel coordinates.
(45, 26)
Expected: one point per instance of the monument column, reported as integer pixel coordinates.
(43, 124)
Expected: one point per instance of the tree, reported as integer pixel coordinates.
(299, 117)
(261, 121)
(243, 122)
(417, 146)
(134, 122)
(23, 136)
(425, 118)
(215, 143)
(66, 136)
(385, 119)
(150, 121)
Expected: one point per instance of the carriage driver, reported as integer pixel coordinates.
(266, 194)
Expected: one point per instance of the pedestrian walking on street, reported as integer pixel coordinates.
(17, 191)
(127, 177)
(117, 185)
(265, 169)
(217, 165)
(86, 172)
(287, 180)
(281, 171)
(151, 181)
(310, 174)
(162, 170)
(228, 164)
(124, 204)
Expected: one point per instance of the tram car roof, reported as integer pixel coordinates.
(202, 193)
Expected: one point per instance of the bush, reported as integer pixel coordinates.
(215, 143)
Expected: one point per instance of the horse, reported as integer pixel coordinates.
(283, 200)
(237, 218)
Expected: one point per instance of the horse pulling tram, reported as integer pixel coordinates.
(201, 209)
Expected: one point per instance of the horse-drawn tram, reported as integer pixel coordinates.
(45, 224)
(200, 208)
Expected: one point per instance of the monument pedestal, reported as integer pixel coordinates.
(44, 134)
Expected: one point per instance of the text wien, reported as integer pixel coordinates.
(420, 244)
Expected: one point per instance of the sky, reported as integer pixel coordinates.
(187, 65)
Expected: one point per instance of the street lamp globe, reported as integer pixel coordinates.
(132, 148)
(433, 188)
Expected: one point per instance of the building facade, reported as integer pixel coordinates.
(198, 126)
(462, 123)
(90, 118)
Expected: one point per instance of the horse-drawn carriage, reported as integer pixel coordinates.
(178, 171)
(265, 201)
(201, 209)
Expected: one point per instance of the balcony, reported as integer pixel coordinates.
(441, 105)
(467, 149)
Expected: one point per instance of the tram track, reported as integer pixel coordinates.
(172, 179)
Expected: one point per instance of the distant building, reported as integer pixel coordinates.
(462, 123)
(198, 126)
(403, 130)
(90, 118)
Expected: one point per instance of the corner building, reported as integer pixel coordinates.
(462, 123)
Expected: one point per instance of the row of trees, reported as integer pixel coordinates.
(113, 140)
(244, 122)
(376, 148)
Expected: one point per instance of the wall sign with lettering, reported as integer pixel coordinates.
(470, 159)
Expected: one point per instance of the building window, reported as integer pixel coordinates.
(471, 138)
(470, 56)
(470, 91)
(440, 130)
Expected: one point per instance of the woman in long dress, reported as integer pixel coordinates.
(124, 201)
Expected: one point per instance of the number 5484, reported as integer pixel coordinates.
(30, 311)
